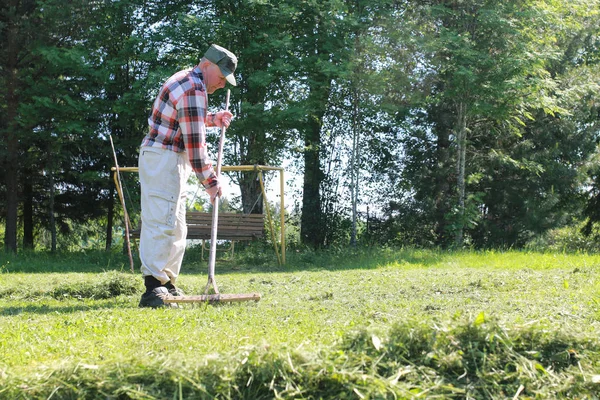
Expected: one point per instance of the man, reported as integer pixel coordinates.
(174, 147)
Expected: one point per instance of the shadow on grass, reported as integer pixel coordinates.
(83, 261)
(253, 259)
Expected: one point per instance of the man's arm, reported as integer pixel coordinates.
(219, 119)
(191, 113)
(210, 120)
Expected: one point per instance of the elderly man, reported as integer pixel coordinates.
(174, 147)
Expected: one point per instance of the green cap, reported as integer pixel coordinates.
(225, 60)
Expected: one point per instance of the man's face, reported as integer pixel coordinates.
(214, 79)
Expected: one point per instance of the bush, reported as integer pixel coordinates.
(569, 239)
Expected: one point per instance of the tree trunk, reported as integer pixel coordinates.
(442, 188)
(252, 201)
(252, 154)
(12, 199)
(12, 142)
(52, 219)
(311, 227)
(28, 213)
(356, 83)
(355, 164)
(110, 213)
(253, 143)
(461, 140)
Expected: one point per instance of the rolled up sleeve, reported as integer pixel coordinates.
(191, 113)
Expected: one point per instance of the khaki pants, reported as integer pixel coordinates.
(163, 176)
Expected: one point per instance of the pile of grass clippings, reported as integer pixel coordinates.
(105, 285)
(478, 359)
(108, 285)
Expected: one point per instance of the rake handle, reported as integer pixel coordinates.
(215, 213)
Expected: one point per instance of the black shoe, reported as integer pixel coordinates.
(154, 298)
(173, 290)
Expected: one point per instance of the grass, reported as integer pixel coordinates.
(342, 324)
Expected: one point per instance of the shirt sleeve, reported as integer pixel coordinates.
(191, 113)
(209, 121)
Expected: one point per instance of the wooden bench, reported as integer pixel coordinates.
(231, 226)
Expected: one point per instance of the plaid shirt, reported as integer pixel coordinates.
(178, 121)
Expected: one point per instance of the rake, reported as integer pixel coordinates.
(214, 297)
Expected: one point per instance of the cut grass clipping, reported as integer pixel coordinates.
(477, 359)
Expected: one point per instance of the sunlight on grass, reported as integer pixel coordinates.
(57, 321)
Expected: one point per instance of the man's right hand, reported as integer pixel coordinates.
(214, 192)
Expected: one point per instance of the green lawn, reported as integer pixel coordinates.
(385, 324)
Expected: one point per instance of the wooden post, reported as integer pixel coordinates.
(125, 214)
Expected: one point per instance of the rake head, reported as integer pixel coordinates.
(213, 298)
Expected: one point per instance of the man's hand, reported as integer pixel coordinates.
(223, 119)
(214, 192)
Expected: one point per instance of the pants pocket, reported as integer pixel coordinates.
(162, 207)
(156, 162)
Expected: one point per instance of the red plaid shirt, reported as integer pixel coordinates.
(178, 121)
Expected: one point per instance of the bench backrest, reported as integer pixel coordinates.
(231, 226)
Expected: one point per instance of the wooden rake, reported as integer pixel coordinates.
(214, 297)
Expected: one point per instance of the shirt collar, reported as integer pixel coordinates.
(196, 70)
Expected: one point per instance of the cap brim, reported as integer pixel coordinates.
(231, 79)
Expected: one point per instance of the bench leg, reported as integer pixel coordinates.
(230, 249)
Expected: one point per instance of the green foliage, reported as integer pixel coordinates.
(361, 97)
(505, 62)
(571, 238)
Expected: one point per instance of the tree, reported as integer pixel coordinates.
(485, 72)
(532, 181)
(257, 33)
(126, 51)
(323, 52)
(18, 31)
(489, 65)
(288, 64)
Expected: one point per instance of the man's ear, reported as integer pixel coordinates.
(204, 63)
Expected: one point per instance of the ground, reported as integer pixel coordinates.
(322, 322)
